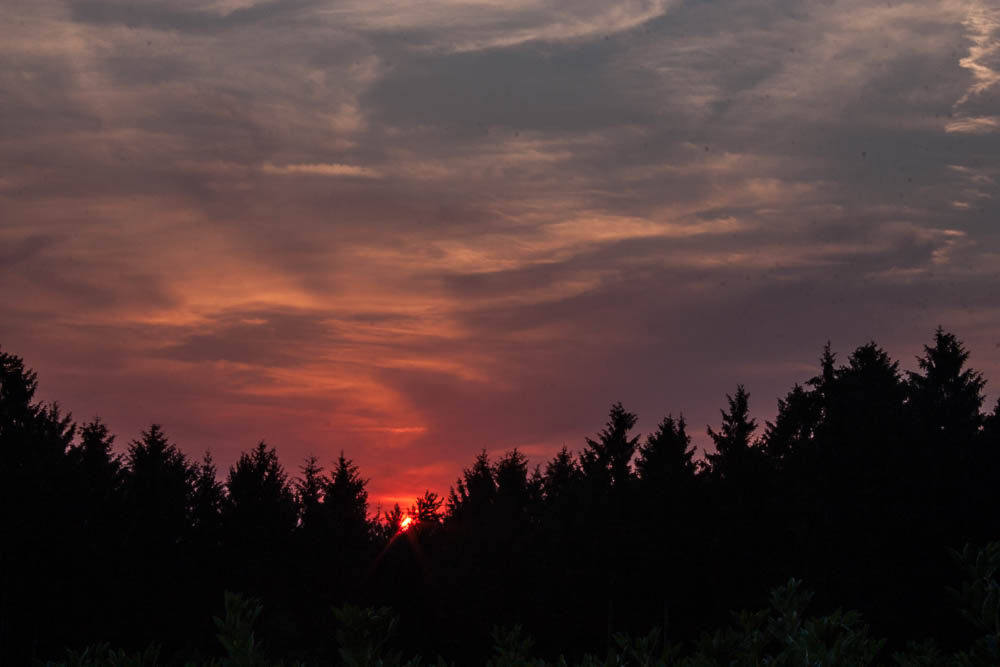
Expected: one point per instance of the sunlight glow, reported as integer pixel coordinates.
(405, 524)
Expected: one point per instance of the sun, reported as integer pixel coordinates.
(405, 524)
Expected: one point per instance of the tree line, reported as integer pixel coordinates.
(866, 483)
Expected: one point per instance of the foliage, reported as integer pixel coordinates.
(364, 635)
(235, 631)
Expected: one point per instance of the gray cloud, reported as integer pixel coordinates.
(417, 230)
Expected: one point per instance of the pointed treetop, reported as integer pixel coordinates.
(734, 439)
(346, 491)
(667, 453)
(946, 395)
(609, 456)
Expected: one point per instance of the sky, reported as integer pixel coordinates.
(414, 230)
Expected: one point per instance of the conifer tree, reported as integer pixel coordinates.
(561, 476)
(945, 396)
(309, 494)
(348, 535)
(345, 501)
(606, 460)
(33, 505)
(514, 495)
(393, 519)
(734, 439)
(157, 493)
(475, 491)
(158, 486)
(428, 509)
(260, 505)
(96, 452)
(207, 499)
(667, 455)
(794, 429)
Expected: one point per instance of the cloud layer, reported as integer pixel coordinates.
(411, 231)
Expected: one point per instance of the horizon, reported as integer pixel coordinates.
(380, 503)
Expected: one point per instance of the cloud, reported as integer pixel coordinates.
(413, 230)
(977, 125)
(983, 30)
(472, 25)
(321, 170)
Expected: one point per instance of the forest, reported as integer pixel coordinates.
(859, 527)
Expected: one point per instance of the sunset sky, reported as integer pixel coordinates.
(414, 229)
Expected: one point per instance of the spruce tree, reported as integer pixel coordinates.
(606, 460)
(945, 396)
(734, 439)
(667, 455)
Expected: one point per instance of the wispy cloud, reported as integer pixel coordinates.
(983, 30)
(321, 170)
(412, 230)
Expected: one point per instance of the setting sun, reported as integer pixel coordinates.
(405, 524)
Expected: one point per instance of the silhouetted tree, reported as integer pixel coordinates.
(667, 456)
(793, 430)
(207, 500)
(515, 494)
(946, 397)
(33, 503)
(394, 519)
(259, 518)
(860, 484)
(864, 402)
(733, 441)
(607, 459)
(562, 475)
(157, 492)
(349, 533)
(346, 496)
(95, 454)
(563, 514)
(158, 487)
(309, 493)
(260, 509)
(474, 492)
(428, 509)
(98, 478)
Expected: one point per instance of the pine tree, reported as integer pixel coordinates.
(606, 460)
(157, 492)
(667, 455)
(207, 500)
(945, 396)
(348, 534)
(561, 476)
(474, 492)
(96, 452)
(345, 500)
(18, 411)
(514, 495)
(35, 507)
(260, 506)
(309, 494)
(158, 487)
(428, 509)
(393, 520)
(794, 429)
(734, 440)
